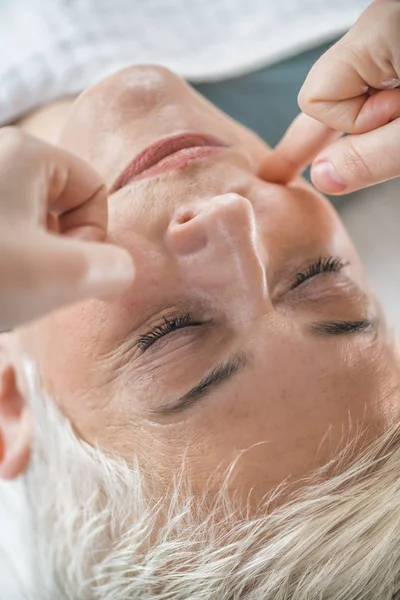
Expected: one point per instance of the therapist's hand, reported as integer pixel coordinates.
(53, 223)
(351, 89)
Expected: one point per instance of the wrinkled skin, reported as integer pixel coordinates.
(216, 241)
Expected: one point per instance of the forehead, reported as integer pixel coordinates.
(295, 392)
(81, 351)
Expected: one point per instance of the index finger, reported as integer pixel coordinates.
(44, 178)
(302, 142)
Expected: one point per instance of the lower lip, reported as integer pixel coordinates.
(178, 160)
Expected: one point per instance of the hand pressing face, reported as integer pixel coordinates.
(249, 329)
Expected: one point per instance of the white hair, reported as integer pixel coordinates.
(99, 533)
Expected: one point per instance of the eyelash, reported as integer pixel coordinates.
(330, 264)
(322, 265)
(169, 325)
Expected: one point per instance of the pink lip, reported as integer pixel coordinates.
(168, 154)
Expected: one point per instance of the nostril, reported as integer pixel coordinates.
(186, 233)
(184, 216)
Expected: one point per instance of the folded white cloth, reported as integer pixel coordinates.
(51, 48)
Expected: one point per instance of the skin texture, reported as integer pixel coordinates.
(216, 241)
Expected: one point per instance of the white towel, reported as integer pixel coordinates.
(52, 48)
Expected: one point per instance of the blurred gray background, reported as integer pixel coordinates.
(372, 217)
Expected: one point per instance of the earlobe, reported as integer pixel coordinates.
(15, 425)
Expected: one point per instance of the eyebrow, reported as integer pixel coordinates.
(337, 328)
(218, 375)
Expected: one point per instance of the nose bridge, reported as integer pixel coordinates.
(232, 217)
(216, 243)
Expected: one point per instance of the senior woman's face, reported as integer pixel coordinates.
(249, 329)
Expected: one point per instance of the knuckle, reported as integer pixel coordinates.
(354, 162)
(305, 100)
(312, 101)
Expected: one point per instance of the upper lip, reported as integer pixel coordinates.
(153, 154)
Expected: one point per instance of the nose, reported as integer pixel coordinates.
(217, 243)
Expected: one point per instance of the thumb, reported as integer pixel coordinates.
(58, 272)
(359, 161)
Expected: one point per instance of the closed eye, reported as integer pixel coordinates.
(329, 264)
(167, 326)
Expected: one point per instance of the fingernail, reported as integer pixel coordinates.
(325, 177)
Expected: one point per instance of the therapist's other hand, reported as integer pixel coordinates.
(53, 223)
(352, 89)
